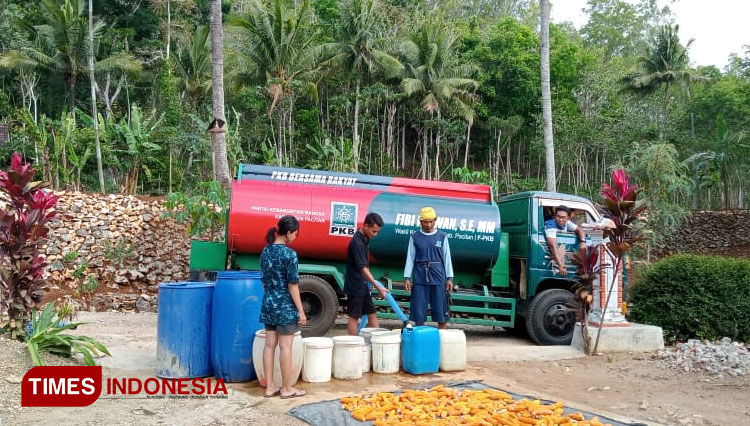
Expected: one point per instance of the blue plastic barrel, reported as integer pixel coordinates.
(236, 317)
(420, 349)
(184, 330)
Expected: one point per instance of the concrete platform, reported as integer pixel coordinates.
(636, 338)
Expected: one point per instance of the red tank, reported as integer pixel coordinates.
(331, 206)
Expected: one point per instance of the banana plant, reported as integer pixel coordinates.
(137, 136)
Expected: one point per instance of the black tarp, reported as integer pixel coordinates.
(330, 413)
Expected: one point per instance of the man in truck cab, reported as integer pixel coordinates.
(561, 222)
(428, 264)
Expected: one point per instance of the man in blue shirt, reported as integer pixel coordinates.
(561, 222)
(428, 264)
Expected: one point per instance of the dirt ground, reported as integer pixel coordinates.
(627, 386)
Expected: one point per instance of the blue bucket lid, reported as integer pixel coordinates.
(188, 284)
(238, 274)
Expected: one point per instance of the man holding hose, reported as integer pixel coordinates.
(358, 275)
(428, 273)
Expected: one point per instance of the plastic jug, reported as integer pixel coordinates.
(420, 349)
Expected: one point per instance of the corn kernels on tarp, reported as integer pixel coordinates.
(470, 403)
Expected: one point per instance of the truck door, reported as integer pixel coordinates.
(580, 214)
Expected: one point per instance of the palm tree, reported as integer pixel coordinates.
(436, 81)
(358, 52)
(549, 143)
(274, 47)
(65, 32)
(218, 135)
(664, 64)
(194, 66)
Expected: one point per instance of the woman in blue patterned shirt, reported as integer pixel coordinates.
(281, 311)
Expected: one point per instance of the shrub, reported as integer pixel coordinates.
(23, 229)
(693, 296)
(46, 336)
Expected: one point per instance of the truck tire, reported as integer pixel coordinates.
(320, 303)
(551, 320)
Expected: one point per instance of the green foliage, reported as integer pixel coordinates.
(205, 212)
(327, 155)
(70, 256)
(466, 175)
(80, 270)
(47, 336)
(120, 252)
(66, 311)
(298, 73)
(663, 178)
(692, 296)
(88, 286)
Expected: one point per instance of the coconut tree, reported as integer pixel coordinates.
(664, 64)
(218, 135)
(193, 66)
(65, 33)
(360, 52)
(275, 49)
(549, 143)
(434, 79)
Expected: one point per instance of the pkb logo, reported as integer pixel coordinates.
(343, 219)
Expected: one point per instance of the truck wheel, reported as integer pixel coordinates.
(551, 320)
(320, 304)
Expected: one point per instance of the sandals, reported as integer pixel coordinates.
(296, 394)
(277, 393)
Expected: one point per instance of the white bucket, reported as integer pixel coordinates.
(298, 355)
(367, 333)
(318, 359)
(386, 352)
(347, 349)
(452, 350)
(366, 357)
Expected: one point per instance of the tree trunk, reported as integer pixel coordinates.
(437, 147)
(218, 139)
(169, 27)
(664, 109)
(94, 115)
(468, 143)
(549, 144)
(355, 131)
(72, 98)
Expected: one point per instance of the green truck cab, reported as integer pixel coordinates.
(544, 298)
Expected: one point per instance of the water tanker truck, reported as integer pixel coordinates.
(503, 270)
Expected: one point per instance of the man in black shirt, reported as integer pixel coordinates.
(358, 297)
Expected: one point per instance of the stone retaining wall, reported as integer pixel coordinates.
(711, 232)
(122, 242)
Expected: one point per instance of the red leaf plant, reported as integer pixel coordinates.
(25, 210)
(622, 206)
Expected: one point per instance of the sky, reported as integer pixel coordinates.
(719, 27)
